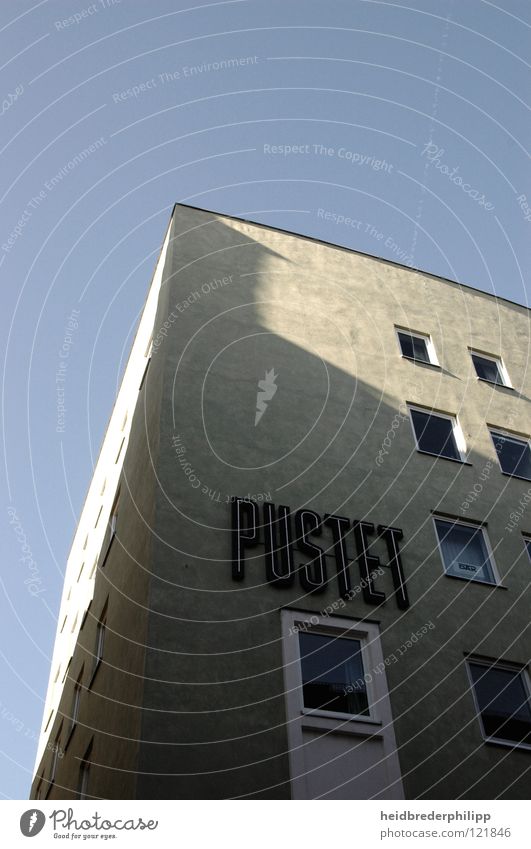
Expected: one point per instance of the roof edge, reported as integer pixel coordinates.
(438, 277)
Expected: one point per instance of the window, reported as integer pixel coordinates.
(51, 712)
(417, 347)
(438, 434)
(84, 774)
(339, 721)
(144, 375)
(113, 520)
(514, 455)
(502, 699)
(465, 551)
(120, 450)
(76, 698)
(527, 541)
(332, 674)
(114, 514)
(490, 369)
(55, 755)
(100, 640)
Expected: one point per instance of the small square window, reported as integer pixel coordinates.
(514, 454)
(502, 699)
(464, 551)
(439, 434)
(332, 674)
(417, 347)
(490, 369)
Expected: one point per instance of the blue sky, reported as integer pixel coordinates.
(397, 129)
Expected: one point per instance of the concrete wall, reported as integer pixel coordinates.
(238, 300)
(324, 319)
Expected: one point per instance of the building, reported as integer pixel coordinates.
(301, 570)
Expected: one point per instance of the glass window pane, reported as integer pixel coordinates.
(487, 369)
(464, 551)
(503, 703)
(435, 434)
(414, 347)
(514, 455)
(528, 546)
(332, 674)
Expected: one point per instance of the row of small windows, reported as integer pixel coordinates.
(420, 348)
(100, 628)
(72, 720)
(335, 682)
(440, 434)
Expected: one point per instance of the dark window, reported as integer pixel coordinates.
(76, 697)
(514, 455)
(84, 774)
(488, 369)
(464, 551)
(527, 541)
(435, 434)
(503, 702)
(414, 347)
(332, 674)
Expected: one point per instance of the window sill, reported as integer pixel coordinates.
(494, 383)
(494, 585)
(516, 477)
(442, 457)
(421, 362)
(507, 744)
(341, 723)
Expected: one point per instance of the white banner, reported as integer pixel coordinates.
(259, 824)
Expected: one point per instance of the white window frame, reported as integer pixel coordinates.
(486, 540)
(356, 635)
(302, 721)
(506, 380)
(456, 429)
(520, 670)
(430, 347)
(368, 636)
(514, 437)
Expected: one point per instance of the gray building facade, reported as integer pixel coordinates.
(310, 569)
